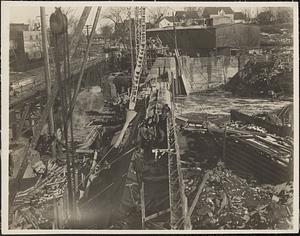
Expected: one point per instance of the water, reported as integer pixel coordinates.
(220, 103)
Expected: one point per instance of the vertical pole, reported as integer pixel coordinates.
(224, 144)
(175, 36)
(142, 192)
(47, 76)
(15, 124)
(177, 87)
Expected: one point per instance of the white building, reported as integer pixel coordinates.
(167, 21)
(33, 44)
(221, 20)
(211, 12)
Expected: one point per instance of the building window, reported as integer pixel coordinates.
(31, 37)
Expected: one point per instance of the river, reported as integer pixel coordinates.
(220, 103)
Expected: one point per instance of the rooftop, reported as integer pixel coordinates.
(186, 14)
(214, 11)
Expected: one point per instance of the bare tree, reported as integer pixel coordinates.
(106, 32)
(247, 14)
(156, 13)
(73, 19)
(118, 16)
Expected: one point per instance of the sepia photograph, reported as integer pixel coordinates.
(149, 117)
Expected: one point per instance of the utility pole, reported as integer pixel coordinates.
(47, 76)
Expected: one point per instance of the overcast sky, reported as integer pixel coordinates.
(24, 14)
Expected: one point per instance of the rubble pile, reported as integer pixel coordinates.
(270, 78)
(228, 201)
(32, 206)
(283, 38)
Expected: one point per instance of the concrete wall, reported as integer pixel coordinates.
(209, 72)
(202, 73)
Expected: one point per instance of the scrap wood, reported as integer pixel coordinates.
(40, 196)
(205, 178)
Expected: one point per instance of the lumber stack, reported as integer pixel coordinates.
(32, 207)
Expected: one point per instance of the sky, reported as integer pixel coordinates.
(24, 13)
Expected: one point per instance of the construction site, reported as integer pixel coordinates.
(185, 122)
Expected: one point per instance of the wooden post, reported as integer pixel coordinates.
(142, 193)
(47, 76)
(14, 124)
(24, 115)
(224, 143)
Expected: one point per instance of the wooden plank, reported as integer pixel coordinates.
(195, 201)
(142, 195)
(153, 216)
(23, 119)
(78, 31)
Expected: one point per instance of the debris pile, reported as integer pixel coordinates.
(228, 201)
(283, 38)
(33, 207)
(270, 78)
